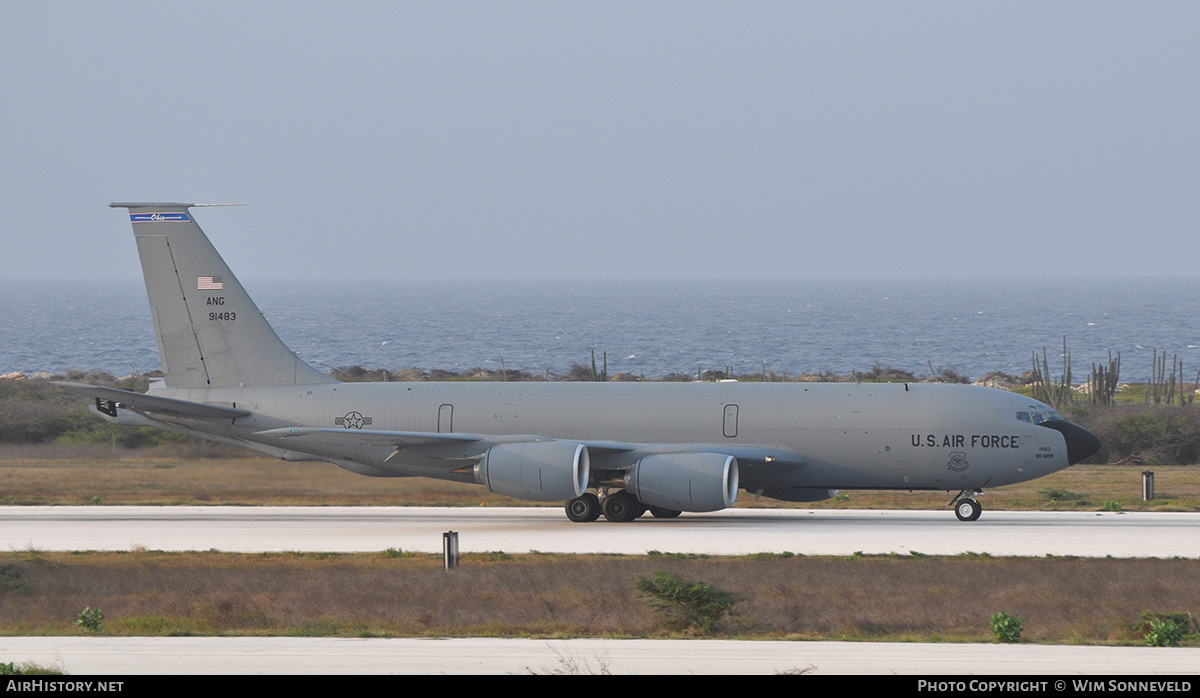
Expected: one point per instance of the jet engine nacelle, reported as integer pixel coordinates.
(542, 471)
(685, 481)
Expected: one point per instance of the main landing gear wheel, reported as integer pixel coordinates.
(622, 507)
(660, 513)
(967, 510)
(584, 509)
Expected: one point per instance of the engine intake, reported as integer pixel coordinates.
(685, 481)
(542, 471)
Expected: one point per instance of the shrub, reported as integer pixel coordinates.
(1058, 495)
(946, 375)
(1140, 435)
(883, 374)
(29, 669)
(90, 619)
(1163, 633)
(12, 578)
(1165, 629)
(685, 604)
(578, 372)
(1006, 628)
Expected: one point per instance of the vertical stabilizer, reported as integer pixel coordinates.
(210, 333)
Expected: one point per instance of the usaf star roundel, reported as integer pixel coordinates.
(353, 420)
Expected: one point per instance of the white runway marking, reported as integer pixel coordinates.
(731, 532)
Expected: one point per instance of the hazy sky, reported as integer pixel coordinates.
(598, 140)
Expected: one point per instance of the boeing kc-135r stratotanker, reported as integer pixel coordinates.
(665, 447)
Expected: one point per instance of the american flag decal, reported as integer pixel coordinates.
(209, 283)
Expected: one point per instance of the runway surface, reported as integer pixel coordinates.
(738, 531)
(731, 532)
(262, 655)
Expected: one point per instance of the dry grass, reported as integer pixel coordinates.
(81, 474)
(255, 481)
(1060, 600)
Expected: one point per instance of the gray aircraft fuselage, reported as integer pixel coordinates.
(846, 435)
(665, 447)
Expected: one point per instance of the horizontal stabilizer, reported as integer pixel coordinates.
(162, 204)
(149, 403)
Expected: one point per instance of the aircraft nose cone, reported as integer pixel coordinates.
(1081, 443)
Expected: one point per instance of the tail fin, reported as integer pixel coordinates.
(209, 331)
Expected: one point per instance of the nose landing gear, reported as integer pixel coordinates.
(965, 507)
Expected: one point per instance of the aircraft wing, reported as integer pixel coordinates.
(367, 437)
(450, 447)
(430, 443)
(778, 458)
(604, 447)
(142, 402)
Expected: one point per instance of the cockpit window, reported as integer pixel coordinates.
(1046, 415)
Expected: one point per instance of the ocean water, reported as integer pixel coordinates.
(646, 327)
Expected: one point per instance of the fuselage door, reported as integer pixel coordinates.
(446, 419)
(731, 419)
